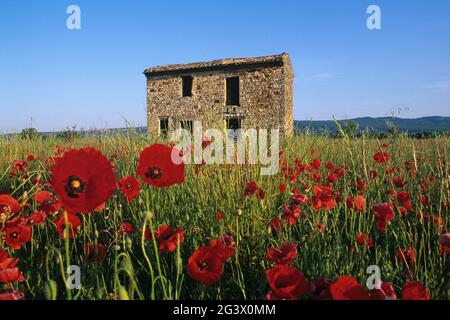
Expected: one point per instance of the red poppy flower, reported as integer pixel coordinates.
(126, 228)
(94, 253)
(424, 200)
(373, 174)
(157, 168)
(404, 199)
(413, 290)
(406, 255)
(332, 177)
(319, 289)
(347, 288)
(340, 171)
(206, 142)
(381, 157)
(10, 275)
(260, 194)
(390, 193)
(168, 238)
(6, 261)
(385, 292)
(357, 203)
(205, 265)
(316, 177)
(383, 214)
(20, 165)
(399, 183)
(299, 198)
(219, 215)
(330, 166)
(8, 271)
(83, 179)
(8, 206)
(444, 241)
(12, 295)
(252, 189)
(37, 218)
(286, 283)
(275, 225)
(321, 227)
(69, 221)
(129, 187)
(48, 203)
(17, 234)
(282, 188)
(315, 164)
(291, 214)
(283, 255)
(363, 240)
(361, 185)
(224, 247)
(42, 196)
(323, 198)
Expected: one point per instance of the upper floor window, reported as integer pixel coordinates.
(187, 86)
(232, 91)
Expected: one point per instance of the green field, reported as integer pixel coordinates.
(134, 267)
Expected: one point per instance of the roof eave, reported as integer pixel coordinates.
(149, 73)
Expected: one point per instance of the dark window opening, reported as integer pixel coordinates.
(233, 91)
(164, 126)
(187, 125)
(187, 86)
(234, 123)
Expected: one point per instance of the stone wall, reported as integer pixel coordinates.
(265, 99)
(288, 95)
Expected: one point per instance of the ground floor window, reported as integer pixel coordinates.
(234, 123)
(163, 126)
(187, 125)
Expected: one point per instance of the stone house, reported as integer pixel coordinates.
(223, 94)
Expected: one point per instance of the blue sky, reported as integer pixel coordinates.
(93, 77)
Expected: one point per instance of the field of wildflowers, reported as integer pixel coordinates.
(140, 227)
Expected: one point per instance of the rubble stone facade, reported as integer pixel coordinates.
(230, 94)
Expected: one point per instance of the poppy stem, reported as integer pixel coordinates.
(152, 274)
(155, 247)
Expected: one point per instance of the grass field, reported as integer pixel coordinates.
(330, 233)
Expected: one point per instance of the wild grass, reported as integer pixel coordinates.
(134, 269)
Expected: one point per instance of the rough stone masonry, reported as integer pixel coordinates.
(238, 93)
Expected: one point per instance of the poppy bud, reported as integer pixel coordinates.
(129, 243)
(123, 294)
(147, 215)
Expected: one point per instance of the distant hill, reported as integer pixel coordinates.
(425, 124)
(378, 125)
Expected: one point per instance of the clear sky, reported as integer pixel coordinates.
(52, 77)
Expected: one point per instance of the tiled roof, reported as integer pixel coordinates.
(277, 60)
